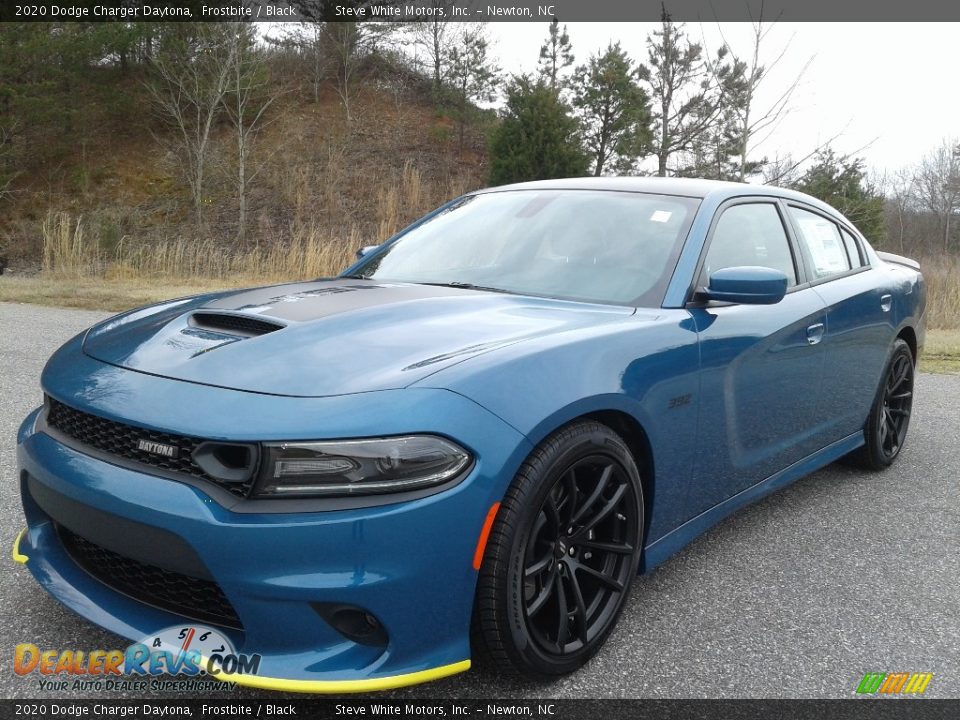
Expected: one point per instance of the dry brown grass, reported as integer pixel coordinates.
(70, 253)
(95, 294)
(307, 254)
(66, 248)
(941, 353)
(942, 275)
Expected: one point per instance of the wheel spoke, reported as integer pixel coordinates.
(900, 373)
(618, 548)
(550, 507)
(899, 411)
(539, 566)
(541, 600)
(538, 526)
(890, 433)
(580, 607)
(606, 580)
(901, 396)
(595, 495)
(563, 614)
(605, 510)
(570, 483)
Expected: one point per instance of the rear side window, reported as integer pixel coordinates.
(822, 243)
(749, 234)
(853, 249)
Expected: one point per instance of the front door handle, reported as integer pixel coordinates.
(886, 302)
(815, 333)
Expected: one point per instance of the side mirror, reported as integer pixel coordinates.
(366, 250)
(747, 285)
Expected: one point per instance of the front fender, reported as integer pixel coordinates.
(646, 366)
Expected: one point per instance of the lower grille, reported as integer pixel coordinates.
(193, 598)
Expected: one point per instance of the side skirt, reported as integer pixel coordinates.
(661, 550)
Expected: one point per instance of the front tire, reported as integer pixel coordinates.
(886, 427)
(561, 556)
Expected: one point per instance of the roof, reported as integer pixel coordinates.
(684, 187)
(688, 187)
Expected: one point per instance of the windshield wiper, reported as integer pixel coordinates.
(468, 286)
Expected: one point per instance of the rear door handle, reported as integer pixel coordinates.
(815, 333)
(886, 302)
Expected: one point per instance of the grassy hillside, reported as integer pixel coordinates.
(115, 204)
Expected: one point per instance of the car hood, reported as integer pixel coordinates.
(329, 337)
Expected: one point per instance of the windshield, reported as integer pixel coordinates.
(595, 246)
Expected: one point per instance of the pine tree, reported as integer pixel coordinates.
(473, 73)
(556, 55)
(537, 139)
(841, 181)
(613, 110)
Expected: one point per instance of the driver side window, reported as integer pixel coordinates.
(749, 234)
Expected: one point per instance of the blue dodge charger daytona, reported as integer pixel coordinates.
(465, 447)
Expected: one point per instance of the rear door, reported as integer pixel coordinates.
(760, 392)
(859, 328)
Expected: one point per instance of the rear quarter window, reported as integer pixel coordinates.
(822, 243)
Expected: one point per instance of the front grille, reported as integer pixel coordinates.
(193, 598)
(236, 324)
(122, 440)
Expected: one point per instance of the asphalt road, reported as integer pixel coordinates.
(799, 595)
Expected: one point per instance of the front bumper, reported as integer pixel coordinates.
(409, 564)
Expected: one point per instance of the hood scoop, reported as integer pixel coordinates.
(242, 325)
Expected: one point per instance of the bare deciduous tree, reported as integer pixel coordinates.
(749, 121)
(437, 36)
(349, 45)
(246, 101)
(898, 189)
(191, 80)
(937, 187)
(344, 41)
(685, 89)
(8, 168)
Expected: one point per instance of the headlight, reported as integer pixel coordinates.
(358, 467)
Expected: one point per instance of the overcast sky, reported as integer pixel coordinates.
(890, 90)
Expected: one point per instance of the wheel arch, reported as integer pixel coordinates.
(638, 442)
(909, 335)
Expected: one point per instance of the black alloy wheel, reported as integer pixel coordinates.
(562, 554)
(578, 555)
(894, 411)
(886, 427)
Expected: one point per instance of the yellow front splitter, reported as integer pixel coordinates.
(16, 554)
(316, 686)
(347, 686)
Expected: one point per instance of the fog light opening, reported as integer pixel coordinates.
(355, 624)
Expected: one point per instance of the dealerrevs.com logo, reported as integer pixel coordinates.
(200, 657)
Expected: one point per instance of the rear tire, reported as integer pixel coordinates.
(886, 428)
(561, 556)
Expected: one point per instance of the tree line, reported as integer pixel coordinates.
(682, 110)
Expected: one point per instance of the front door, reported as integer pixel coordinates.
(761, 365)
